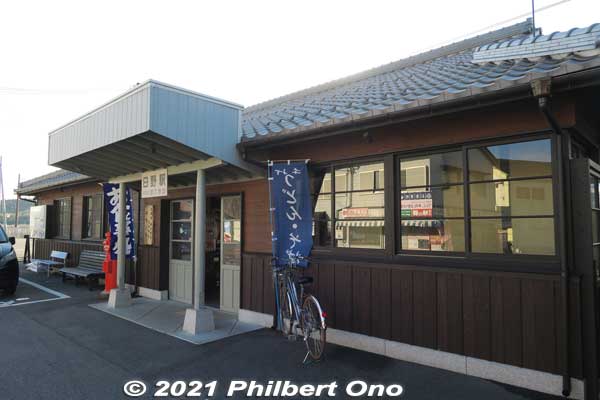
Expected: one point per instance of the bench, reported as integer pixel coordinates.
(57, 259)
(90, 268)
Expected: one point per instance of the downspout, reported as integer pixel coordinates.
(542, 91)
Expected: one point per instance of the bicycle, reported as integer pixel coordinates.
(309, 317)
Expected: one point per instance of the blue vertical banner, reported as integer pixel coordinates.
(291, 211)
(111, 201)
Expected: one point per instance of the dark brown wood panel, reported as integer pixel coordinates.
(325, 289)
(477, 316)
(381, 298)
(506, 313)
(450, 313)
(402, 306)
(148, 270)
(473, 312)
(343, 296)
(425, 308)
(361, 300)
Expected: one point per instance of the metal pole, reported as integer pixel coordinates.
(121, 232)
(200, 240)
(3, 199)
(18, 200)
(533, 16)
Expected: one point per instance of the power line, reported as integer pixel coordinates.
(32, 91)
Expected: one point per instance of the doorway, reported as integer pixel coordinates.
(223, 252)
(231, 252)
(212, 283)
(181, 268)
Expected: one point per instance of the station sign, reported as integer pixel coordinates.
(154, 183)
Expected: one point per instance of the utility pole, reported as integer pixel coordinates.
(533, 16)
(3, 199)
(18, 200)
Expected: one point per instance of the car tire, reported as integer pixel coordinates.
(11, 290)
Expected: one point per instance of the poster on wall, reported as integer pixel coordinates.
(149, 225)
(37, 221)
(111, 202)
(154, 183)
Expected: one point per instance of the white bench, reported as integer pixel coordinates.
(58, 259)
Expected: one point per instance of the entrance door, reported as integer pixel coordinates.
(585, 187)
(231, 251)
(181, 268)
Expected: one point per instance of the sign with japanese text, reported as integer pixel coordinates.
(154, 183)
(291, 211)
(111, 201)
(416, 204)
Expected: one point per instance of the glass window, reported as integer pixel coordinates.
(433, 235)
(514, 160)
(62, 208)
(357, 218)
(182, 210)
(513, 236)
(3, 237)
(433, 169)
(499, 204)
(432, 203)
(92, 216)
(512, 198)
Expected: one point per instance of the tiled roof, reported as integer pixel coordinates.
(493, 61)
(53, 179)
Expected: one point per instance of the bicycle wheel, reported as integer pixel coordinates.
(313, 326)
(285, 305)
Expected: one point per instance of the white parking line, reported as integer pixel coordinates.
(13, 303)
(44, 288)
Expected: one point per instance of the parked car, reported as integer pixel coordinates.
(9, 266)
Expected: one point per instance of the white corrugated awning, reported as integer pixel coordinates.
(340, 224)
(152, 126)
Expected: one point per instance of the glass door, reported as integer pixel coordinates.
(231, 251)
(181, 268)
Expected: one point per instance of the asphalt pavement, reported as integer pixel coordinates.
(64, 349)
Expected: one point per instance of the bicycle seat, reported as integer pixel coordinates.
(305, 280)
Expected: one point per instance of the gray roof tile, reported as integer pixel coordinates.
(434, 76)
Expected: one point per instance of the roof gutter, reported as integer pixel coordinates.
(542, 89)
(562, 83)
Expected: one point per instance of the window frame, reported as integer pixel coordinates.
(57, 211)
(468, 254)
(84, 217)
(330, 167)
(461, 260)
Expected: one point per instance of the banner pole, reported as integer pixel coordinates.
(276, 313)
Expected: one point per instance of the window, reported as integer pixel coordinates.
(62, 209)
(511, 198)
(432, 203)
(352, 215)
(509, 208)
(92, 216)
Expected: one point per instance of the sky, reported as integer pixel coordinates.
(60, 59)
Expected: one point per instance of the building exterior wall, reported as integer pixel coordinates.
(485, 310)
(481, 309)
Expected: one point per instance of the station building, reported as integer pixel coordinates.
(456, 202)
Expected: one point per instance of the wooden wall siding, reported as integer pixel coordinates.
(149, 267)
(504, 317)
(43, 248)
